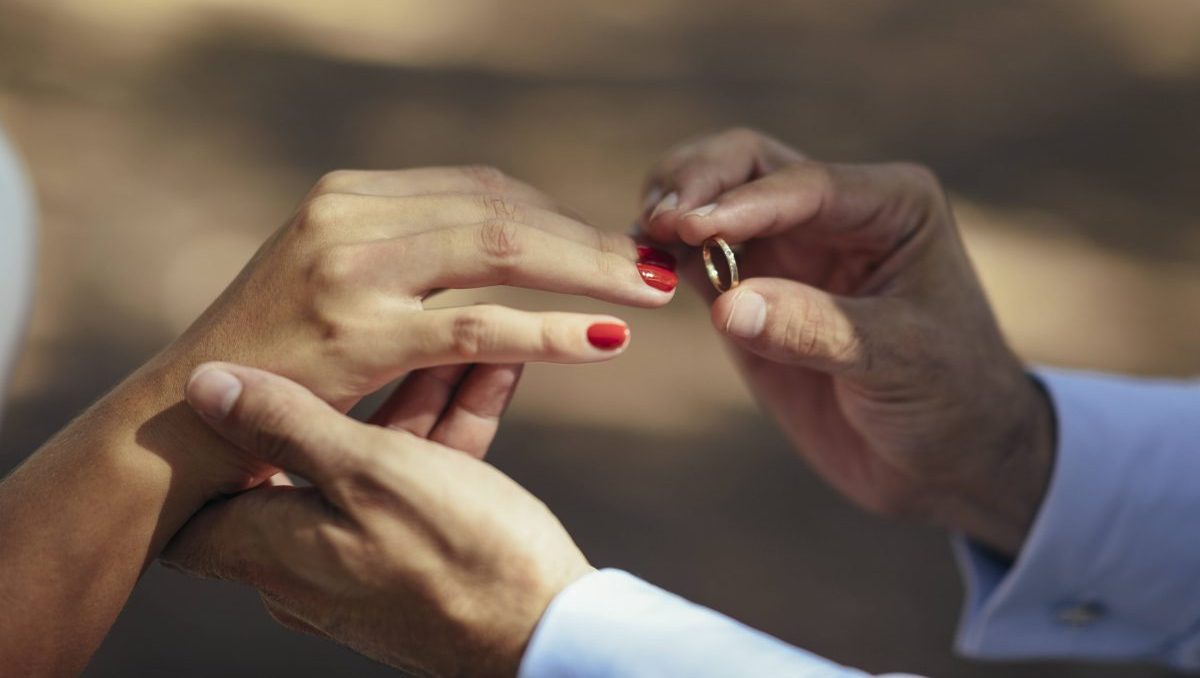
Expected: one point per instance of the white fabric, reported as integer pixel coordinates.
(610, 624)
(1109, 570)
(16, 259)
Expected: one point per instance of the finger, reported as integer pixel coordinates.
(496, 334)
(230, 538)
(419, 401)
(875, 206)
(429, 180)
(507, 253)
(696, 173)
(788, 322)
(274, 419)
(350, 217)
(471, 420)
(287, 619)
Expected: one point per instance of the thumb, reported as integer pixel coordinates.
(273, 419)
(789, 322)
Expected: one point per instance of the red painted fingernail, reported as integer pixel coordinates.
(656, 257)
(658, 277)
(608, 336)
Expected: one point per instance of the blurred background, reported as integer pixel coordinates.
(168, 138)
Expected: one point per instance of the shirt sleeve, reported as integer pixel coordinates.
(610, 624)
(1111, 567)
(16, 257)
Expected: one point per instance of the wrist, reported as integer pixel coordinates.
(997, 501)
(149, 408)
(497, 646)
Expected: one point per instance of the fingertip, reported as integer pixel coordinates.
(653, 195)
(740, 313)
(610, 336)
(669, 203)
(213, 390)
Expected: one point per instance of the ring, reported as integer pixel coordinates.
(714, 276)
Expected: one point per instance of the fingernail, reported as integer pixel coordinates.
(702, 211)
(658, 277)
(652, 198)
(655, 257)
(748, 315)
(213, 392)
(668, 203)
(608, 336)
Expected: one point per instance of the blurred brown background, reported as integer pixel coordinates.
(167, 139)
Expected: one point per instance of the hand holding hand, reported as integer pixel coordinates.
(861, 326)
(334, 300)
(418, 555)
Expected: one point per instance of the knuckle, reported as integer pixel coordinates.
(487, 177)
(323, 212)
(553, 339)
(742, 136)
(332, 268)
(922, 199)
(337, 181)
(818, 175)
(920, 175)
(497, 206)
(470, 332)
(501, 240)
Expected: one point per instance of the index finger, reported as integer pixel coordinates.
(873, 206)
(695, 173)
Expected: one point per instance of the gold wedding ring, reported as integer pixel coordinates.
(714, 276)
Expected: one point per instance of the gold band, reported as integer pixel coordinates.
(714, 276)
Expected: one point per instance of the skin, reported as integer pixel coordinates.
(411, 552)
(334, 301)
(873, 345)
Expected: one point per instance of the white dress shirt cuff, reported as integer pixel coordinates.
(610, 623)
(1109, 569)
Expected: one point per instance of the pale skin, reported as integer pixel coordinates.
(334, 302)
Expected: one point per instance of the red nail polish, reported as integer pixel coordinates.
(658, 277)
(608, 336)
(656, 257)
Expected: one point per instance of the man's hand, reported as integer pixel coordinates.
(863, 329)
(418, 555)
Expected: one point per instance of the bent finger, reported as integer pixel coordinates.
(472, 418)
(873, 206)
(696, 173)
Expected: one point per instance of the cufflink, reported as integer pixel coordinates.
(1080, 614)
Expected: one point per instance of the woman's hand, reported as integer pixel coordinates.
(334, 299)
(863, 329)
(418, 555)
